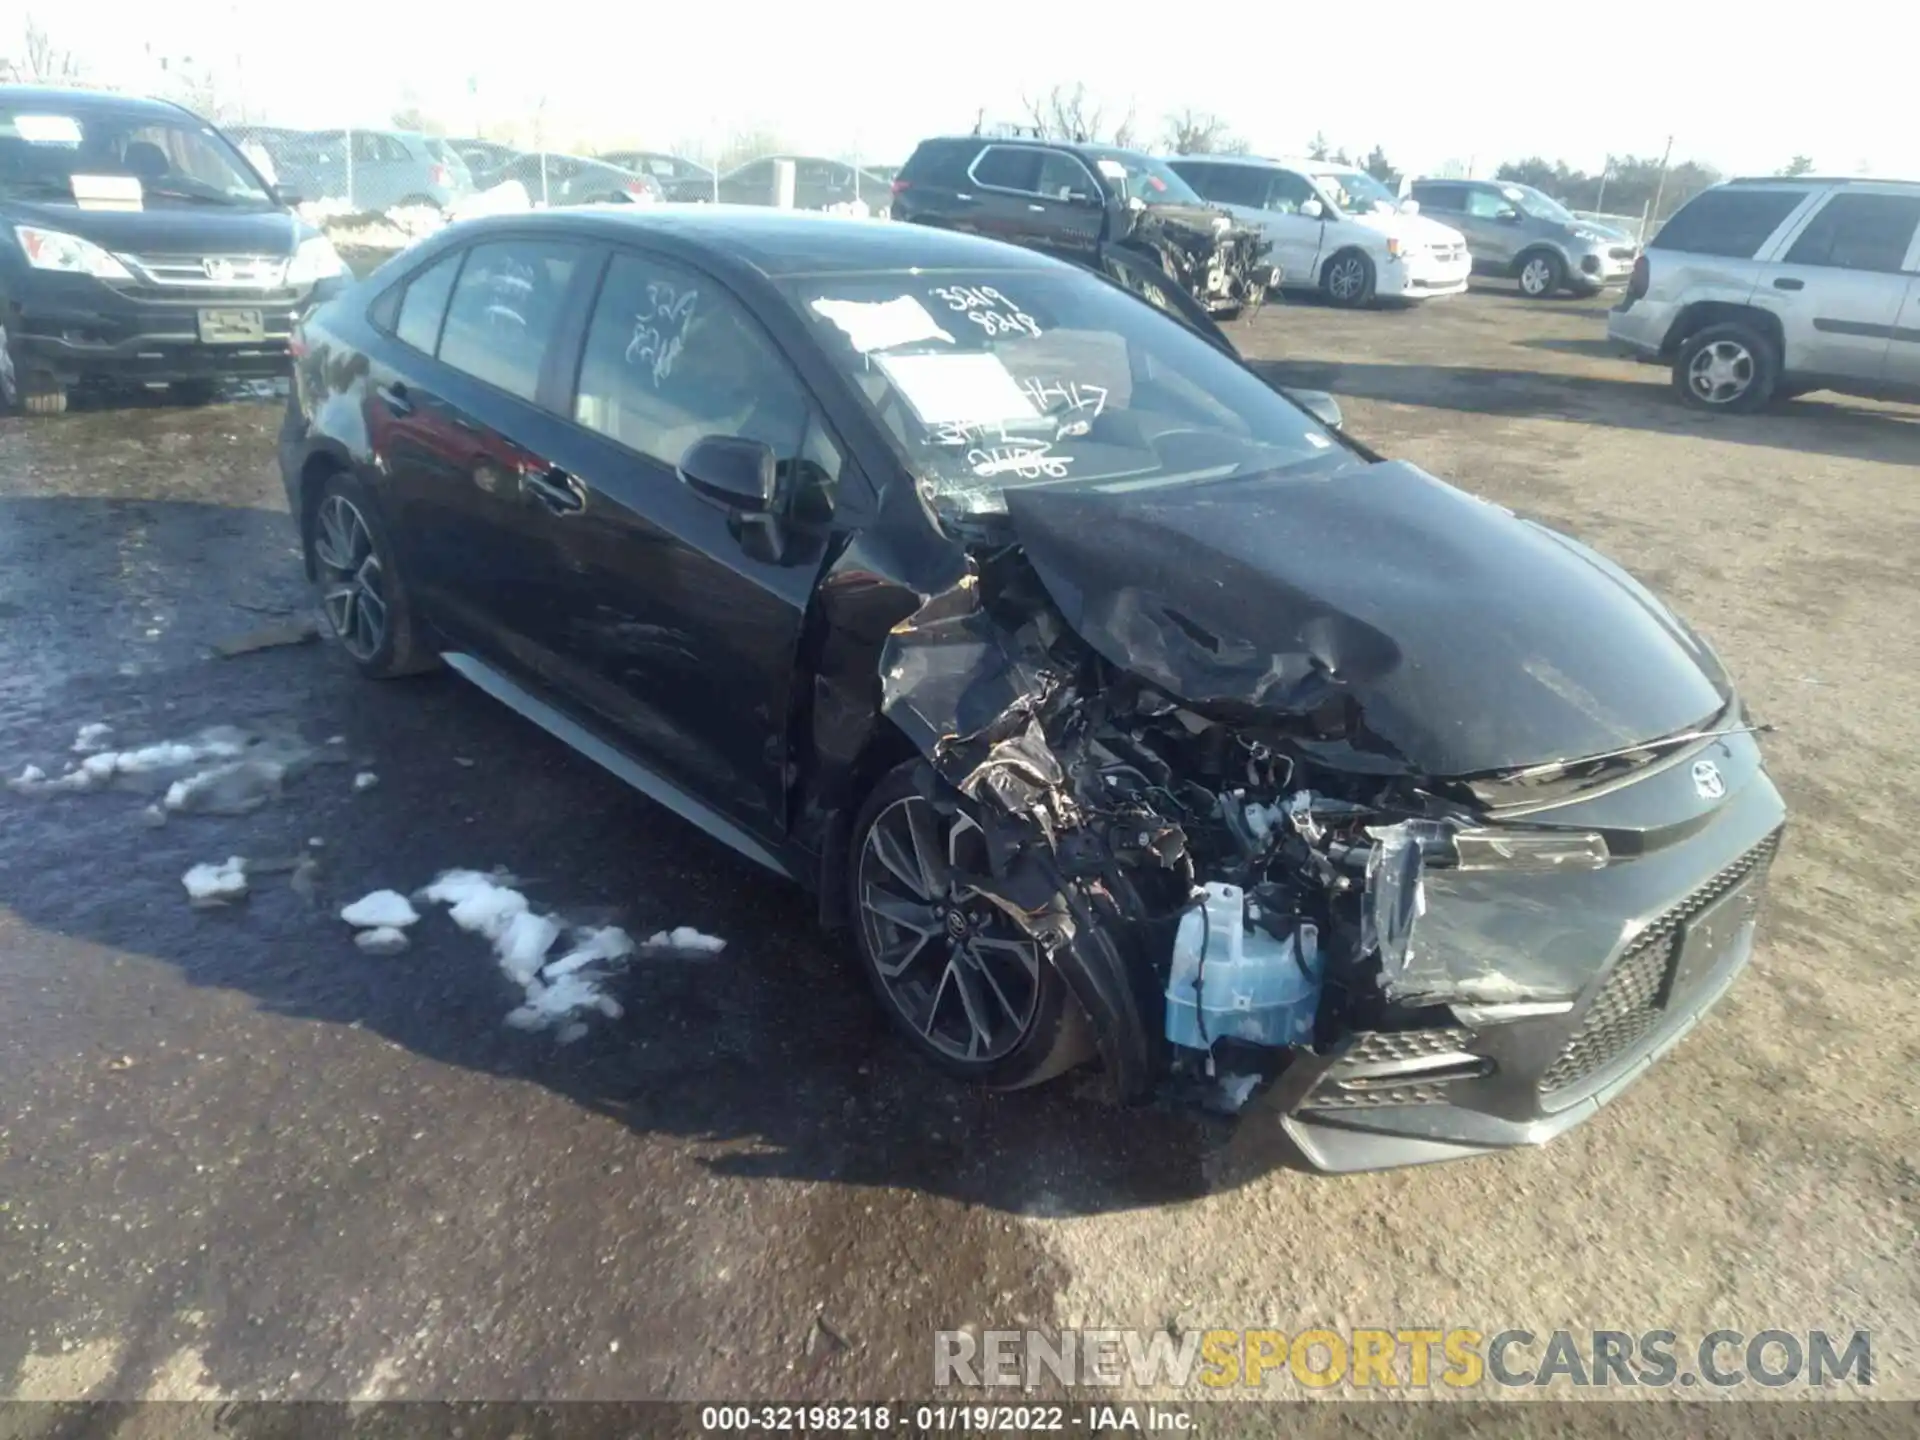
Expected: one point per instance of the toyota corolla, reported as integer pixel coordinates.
(1121, 710)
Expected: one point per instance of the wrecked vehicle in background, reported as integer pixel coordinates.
(1096, 205)
(1126, 712)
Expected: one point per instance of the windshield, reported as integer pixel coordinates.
(125, 161)
(1143, 178)
(1356, 192)
(993, 379)
(1541, 207)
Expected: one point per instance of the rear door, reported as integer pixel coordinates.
(680, 618)
(1840, 282)
(464, 428)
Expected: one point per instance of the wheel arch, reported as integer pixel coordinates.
(1542, 247)
(1702, 313)
(318, 468)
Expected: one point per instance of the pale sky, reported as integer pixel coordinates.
(1741, 87)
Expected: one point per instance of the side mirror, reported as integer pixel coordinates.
(1320, 405)
(289, 196)
(1508, 217)
(1409, 206)
(731, 471)
(1313, 209)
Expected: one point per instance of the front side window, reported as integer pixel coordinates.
(1064, 178)
(1489, 205)
(424, 304)
(1859, 231)
(993, 379)
(672, 358)
(1356, 193)
(505, 308)
(174, 165)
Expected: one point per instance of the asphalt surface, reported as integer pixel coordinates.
(240, 1158)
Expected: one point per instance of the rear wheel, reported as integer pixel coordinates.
(966, 985)
(1731, 367)
(1540, 274)
(1348, 279)
(361, 592)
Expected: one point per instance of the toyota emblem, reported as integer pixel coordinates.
(1708, 780)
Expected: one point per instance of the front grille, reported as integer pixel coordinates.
(1627, 1007)
(1336, 1097)
(1449, 252)
(1623, 252)
(237, 275)
(1386, 1047)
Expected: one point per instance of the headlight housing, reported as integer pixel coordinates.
(67, 254)
(315, 259)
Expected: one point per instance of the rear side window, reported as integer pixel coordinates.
(1859, 231)
(1732, 221)
(424, 303)
(1009, 167)
(1439, 197)
(505, 309)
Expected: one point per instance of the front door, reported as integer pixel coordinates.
(1840, 286)
(1492, 226)
(1903, 351)
(681, 619)
(1298, 240)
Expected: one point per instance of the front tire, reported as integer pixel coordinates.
(1541, 274)
(1732, 368)
(1348, 279)
(361, 590)
(968, 988)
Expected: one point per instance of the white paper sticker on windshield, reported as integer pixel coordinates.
(881, 324)
(964, 388)
(1113, 170)
(47, 129)
(108, 192)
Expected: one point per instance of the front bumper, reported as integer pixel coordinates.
(73, 328)
(1424, 275)
(1477, 1079)
(1602, 266)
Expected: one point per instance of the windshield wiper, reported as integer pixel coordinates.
(1551, 769)
(192, 197)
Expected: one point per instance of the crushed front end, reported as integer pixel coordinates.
(1261, 895)
(1225, 266)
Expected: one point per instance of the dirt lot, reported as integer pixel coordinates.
(239, 1158)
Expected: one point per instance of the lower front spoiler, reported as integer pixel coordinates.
(1388, 1137)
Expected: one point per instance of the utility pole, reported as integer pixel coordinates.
(1660, 185)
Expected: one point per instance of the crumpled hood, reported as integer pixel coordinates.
(1468, 639)
(1204, 218)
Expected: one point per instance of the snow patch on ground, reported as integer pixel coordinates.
(365, 780)
(381, 940)
(91, 738)
(216, 884)
(558, 992)
(383, 909)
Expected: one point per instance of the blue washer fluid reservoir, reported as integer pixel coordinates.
(1230, 979)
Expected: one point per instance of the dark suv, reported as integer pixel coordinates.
(1082, 202)
(138, 244)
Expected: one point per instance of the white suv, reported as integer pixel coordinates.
(1335, 228)
(1770, 288)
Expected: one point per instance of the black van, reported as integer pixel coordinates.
(138, 244)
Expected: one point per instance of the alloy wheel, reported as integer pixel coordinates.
(1347, 279)
(353, 583)
(1536, 276)
(1721, 372)
(957, 969)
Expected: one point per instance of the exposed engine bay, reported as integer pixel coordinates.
(1222, 265)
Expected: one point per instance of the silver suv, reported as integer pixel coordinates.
(1516, 230)
(1770, 288)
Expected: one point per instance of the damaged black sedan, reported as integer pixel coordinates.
(1123, 711)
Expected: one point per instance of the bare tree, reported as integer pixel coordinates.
(41, 61)
(1319, 148)
(412, 117)
(1200, 132)
(745, 145)
(1063, 114)
(1799, 165)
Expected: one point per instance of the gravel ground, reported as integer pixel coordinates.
(239, 1158)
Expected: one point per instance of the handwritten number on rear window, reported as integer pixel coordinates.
(989, 309)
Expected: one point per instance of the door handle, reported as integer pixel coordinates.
(1038, 209)
(553, 488)
(1787, 282)
(395, 398)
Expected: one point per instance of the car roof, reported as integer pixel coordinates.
(1274, 162)
(1792, 181)
(779, 243)
(95, 102)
